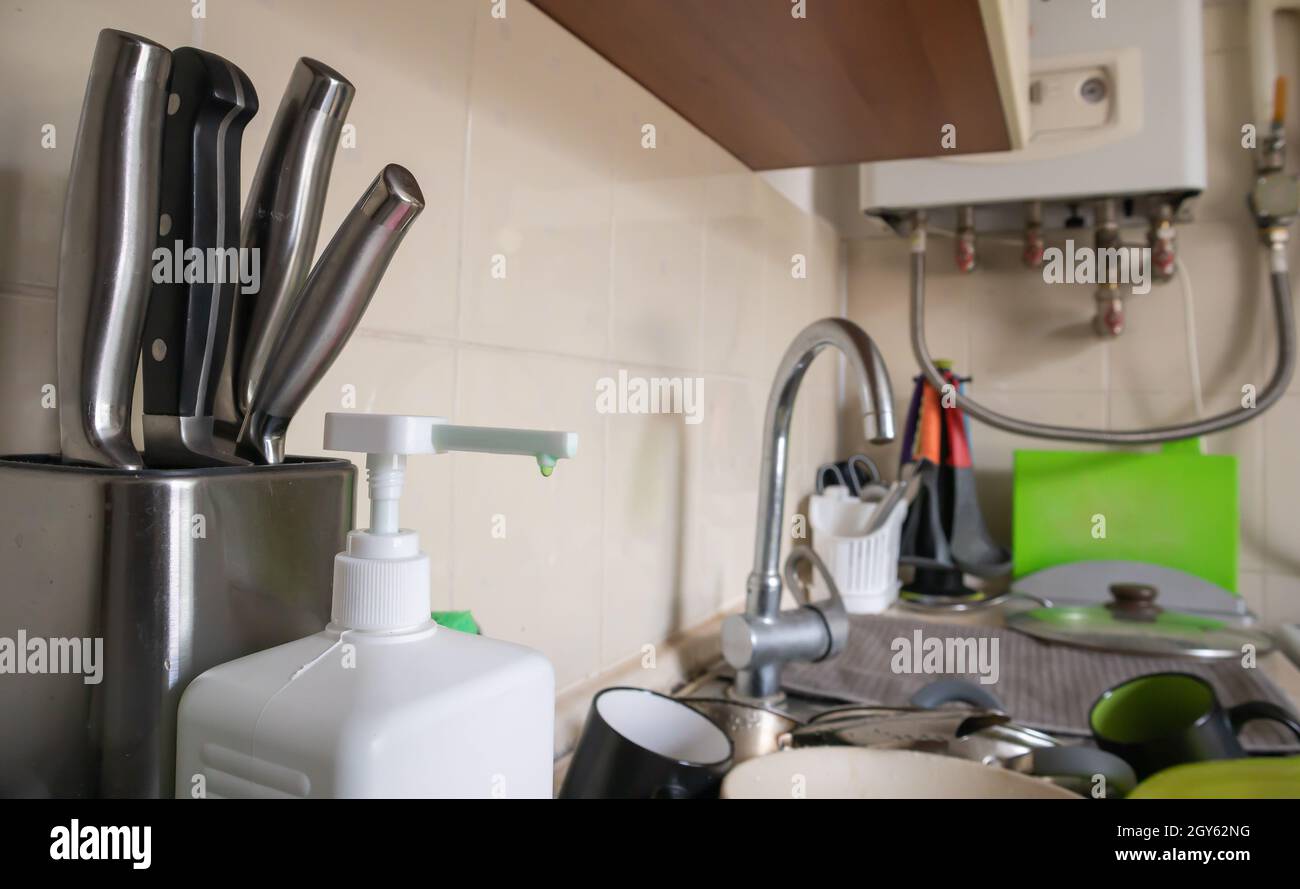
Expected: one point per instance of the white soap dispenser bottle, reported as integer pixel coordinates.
(383, 702)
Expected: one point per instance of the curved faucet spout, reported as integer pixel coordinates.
(761, 677)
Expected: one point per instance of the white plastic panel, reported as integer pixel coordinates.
(1137, 127)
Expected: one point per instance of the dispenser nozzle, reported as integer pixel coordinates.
(387, 439)
(545, 447)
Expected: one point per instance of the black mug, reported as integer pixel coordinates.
(639, 744)
(1167, 719)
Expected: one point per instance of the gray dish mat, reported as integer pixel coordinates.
(1043, 685)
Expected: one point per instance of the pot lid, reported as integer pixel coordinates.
(1133, 623)
(1088, 583)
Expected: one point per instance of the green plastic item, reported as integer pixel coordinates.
(457, 620)
(1263, 777)
(1176, 508)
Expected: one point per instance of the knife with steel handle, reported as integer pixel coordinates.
(330, 306)
(282, 222)
(210, 103)
(110, 218)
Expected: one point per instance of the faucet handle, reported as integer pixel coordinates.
(831, 608)
(812, 632)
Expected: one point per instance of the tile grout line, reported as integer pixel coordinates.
(1265, 543)
(28, 290)
(700, 349)
(602, 604)
(451, 343)
(462, 241)
(841, 367)
(465, 172)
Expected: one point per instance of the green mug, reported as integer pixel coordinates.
(1167, 719)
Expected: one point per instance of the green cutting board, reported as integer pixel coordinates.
(1176, 508)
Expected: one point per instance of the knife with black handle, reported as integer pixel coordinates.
(282, 221)
(198, 264)
(110, 219)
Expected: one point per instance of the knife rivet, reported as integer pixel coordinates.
(164, 224)
(173, 104)
(158, 349)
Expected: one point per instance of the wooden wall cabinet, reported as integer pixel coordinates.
(850, 81)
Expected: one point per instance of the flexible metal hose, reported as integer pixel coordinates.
(1276, 239)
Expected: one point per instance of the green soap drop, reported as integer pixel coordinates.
(546, 464)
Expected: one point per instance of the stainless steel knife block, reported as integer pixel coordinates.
(175, 571)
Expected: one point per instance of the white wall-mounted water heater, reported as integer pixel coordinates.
(1116, 109)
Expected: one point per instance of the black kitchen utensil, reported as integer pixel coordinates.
(638, 744)
(944, 536)
(924, 544)
(973, 548)
(282, 220)
(1167, 719)
(210, 102)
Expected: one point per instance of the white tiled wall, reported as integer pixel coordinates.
(1032, 354)
(671, 261)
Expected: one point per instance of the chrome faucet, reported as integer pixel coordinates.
(758, 642)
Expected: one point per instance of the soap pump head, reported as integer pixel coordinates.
(381, 582)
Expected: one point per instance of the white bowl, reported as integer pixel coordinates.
(865, 773)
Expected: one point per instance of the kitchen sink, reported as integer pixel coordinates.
(799, 721)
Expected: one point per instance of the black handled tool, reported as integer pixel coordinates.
(282, 220)
(199, 264)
